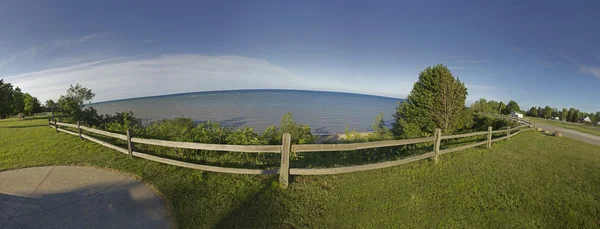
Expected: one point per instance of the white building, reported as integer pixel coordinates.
(516, 115)
(587, 119)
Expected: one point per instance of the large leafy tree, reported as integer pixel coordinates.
(564, 114)
(532, 112)
(437, 100)
(571, 115)
(547, 112)
(6, 99)
(72, 104)
(597, 116)
(31, 104)
(18, 100)
(512, 106)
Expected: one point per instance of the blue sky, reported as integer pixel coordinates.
(535, 52)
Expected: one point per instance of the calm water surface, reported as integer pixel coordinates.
(325, 112)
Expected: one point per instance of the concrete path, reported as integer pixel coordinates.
(584, 137)
(77, 197)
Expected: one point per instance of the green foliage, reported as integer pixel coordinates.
(18, 101)
(380, 130)
(512, 106)
(481, 123)
(300, 133)
(437, 100)
(80, 94)
(272, 136)
(532, 112)
(6, 99)
(564, 114)
(32, 104)
(547, 112)
(244, 136)
(50, 105)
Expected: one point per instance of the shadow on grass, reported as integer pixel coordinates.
(23, 126)
(261, 209)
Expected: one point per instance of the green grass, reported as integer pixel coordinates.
(531, 181)
(595, 130)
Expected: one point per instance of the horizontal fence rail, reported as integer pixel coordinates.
(356, 146)
(215, 147)
(284, 171)
(464, 135)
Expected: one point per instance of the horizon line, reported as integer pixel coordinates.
(233, 90)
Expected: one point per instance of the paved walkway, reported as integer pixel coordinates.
(584, 137)
(77, 197)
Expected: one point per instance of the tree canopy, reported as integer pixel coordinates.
(437, 100)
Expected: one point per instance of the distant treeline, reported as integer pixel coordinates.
(570, 115)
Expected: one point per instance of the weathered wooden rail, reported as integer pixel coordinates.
(285, 148)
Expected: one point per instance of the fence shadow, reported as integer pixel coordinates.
(23, 126)
(260, 210)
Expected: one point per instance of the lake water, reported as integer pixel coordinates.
(325, 112)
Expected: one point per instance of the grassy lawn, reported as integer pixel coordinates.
(579, 127)
(531, 181)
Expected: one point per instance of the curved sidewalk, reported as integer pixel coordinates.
(77, 197)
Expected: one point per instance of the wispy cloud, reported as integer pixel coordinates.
(451, 57)
(583, 68)
(591, 70)
(91, 36)
(44, 49)
(136, 76)
(115, 78)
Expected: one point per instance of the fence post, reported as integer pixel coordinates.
(284, 170)
(508, 132)
(129, 143)
(533, 125)
(436, 145)
(489, 144)
(79, 129)
(55, 126)
(53, 115)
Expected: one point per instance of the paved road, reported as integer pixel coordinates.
(584, 137)
(77, 197)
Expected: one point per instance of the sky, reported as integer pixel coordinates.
(537, 53)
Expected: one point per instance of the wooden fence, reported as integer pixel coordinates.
(286, 147)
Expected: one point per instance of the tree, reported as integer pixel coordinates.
(501, 107)
(80, 94)
(576, 116)
(31, 104)
(555, 113)
(547, 112)
(437, 100)
(532, 112)
(72, 105)
(571, 114)
(18, 101)
(540, 112)
(563, 114)
(50, 104)
(597, 116)
(6, 99)
(512, 106)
